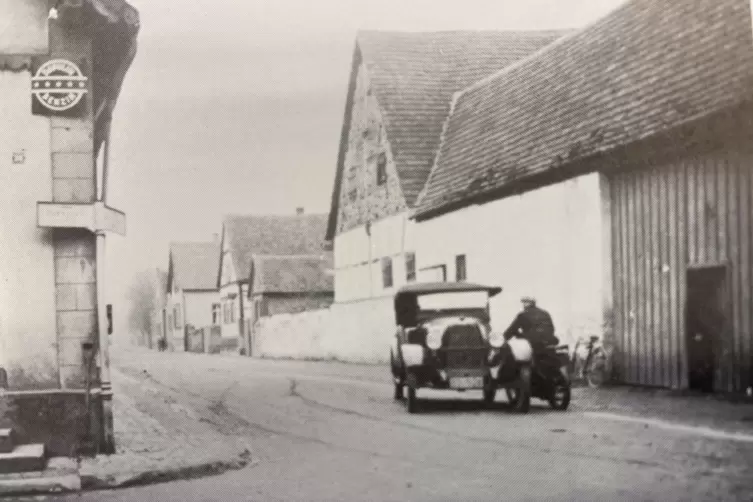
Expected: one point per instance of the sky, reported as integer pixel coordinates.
(235, 106)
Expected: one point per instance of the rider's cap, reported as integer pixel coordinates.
(527, 299)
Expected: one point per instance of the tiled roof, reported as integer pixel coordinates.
(194, 264)
(647, 67)
(292, 274)
(272, 235)
(413, 76)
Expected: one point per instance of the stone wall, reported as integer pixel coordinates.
(353, 332)
(364, 198)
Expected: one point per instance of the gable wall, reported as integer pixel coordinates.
(362, 199)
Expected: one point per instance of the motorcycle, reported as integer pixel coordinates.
(546, 378)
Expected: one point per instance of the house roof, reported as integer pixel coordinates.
(193, 265)
(645, 68)
(272, 235)
(292, 274)
(413, 77)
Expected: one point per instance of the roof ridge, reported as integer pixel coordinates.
(570, 34)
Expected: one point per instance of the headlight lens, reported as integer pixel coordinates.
(434, 338)
(496, 340)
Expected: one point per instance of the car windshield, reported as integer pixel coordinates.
(453, 300)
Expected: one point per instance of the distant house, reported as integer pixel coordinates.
(289, 284)
(243, 238)
(192, 293)
(399, 95)
(610, 174)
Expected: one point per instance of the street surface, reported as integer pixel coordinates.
(331, 432)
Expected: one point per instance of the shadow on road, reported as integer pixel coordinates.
(450, 406)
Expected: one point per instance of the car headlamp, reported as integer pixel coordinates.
(434, 337)
(496, 340)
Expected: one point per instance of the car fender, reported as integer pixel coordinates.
(412, 354)
(521, 350)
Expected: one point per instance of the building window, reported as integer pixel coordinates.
(177, 317)
(216, 313)
(226, 313)
(410, 267)
(387, 272)
(460, 272)
(232, 311)
(437, 273)
(381, 170)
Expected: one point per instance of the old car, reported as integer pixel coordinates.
(444, 340)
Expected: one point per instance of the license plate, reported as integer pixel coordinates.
(466, 382)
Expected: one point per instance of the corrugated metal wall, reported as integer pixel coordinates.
(666, 218)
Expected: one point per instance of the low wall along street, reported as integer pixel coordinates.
(353, 332)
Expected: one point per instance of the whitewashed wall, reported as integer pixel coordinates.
(24, 27)
(28, 333)
(549, 242)
(353, 332)
(198, 307)
(358, 268)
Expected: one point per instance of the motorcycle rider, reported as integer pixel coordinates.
(534, 324)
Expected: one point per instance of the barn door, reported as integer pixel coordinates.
(707, 326)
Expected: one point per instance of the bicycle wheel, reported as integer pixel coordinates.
(596, 373)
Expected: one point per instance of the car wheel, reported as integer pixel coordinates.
(560, 397)
(489, 395)
(412, 401)
(520, 396)
(398, 396)
(490, 391)
(411, 387)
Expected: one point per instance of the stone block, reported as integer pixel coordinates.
(72, 165)
(73, 190)
(74, 270)
(23, 458)
(76, 296)
(78, 139)
(6, 440)
(70, 352)
(65, 297)
(77, 324)
(86, 296)
(74, 376)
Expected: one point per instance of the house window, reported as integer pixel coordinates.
(226, 313)
(232, 311)
(387, 272)
(410, 267)
(437, 273)
(216, 313)
(177, 317)
(460, 272)
(381, 171)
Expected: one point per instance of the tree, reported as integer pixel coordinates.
(144, 297)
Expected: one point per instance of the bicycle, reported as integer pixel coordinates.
(594, 368)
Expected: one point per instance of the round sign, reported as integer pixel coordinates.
(59, 85)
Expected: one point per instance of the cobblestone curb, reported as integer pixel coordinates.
(101, 481)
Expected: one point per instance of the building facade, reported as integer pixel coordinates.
(60, 76)
(399, 95)
(193, 300)
(640, 180)
(243, 238)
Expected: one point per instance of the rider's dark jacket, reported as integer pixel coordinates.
(535, 325)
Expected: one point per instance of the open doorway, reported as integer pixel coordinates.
(706, 322)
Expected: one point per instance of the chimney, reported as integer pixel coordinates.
(299, 211)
